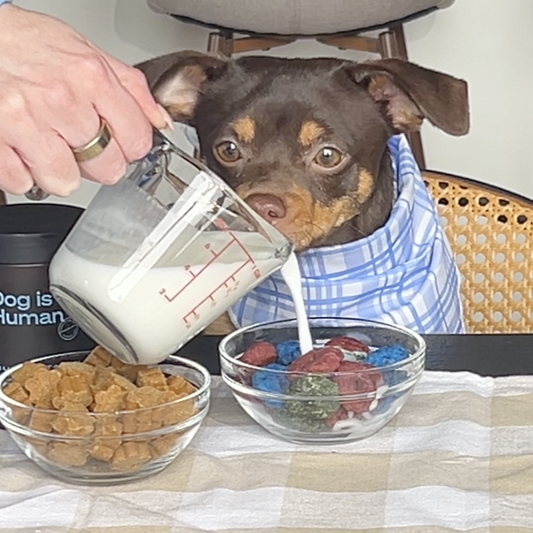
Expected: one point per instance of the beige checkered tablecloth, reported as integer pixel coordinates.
(459, 457)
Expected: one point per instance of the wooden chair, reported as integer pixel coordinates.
(491, 233)
(267, 24)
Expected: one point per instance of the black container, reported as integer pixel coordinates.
(31, 322)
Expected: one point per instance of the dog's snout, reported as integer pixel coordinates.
(270, 207)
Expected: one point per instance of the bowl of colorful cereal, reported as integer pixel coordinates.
(88, 418)
(358, 376)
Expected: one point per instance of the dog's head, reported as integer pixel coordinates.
(304, 141)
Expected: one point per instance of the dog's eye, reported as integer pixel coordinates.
(328, 157)
(227, 152)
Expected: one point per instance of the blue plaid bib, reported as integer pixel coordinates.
(404, 273)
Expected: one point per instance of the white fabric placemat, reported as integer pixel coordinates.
(459, 457)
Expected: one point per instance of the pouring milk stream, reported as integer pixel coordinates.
(157, 257)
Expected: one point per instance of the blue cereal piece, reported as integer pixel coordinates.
(288, 351)
(392, 378)
(271, 382)
(387, 355)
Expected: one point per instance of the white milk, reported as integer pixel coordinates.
(293, 278)
(165, 306)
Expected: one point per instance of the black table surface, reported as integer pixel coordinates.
(486, 355)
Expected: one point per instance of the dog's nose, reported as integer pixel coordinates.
(270, 207)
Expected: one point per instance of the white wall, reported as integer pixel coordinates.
(486, 42)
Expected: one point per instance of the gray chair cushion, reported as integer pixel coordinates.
(295, 17)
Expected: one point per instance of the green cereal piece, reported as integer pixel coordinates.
(286, 418)
(312, 409)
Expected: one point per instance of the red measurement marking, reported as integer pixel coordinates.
(211, 295)
(243, 248)
(216, 255)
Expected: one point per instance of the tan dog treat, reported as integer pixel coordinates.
(144, 397)
(103, 378)
(74, 389)
(26, 371)
(143, 419)
(39, 444)
(130, 456)
(42, 421)
(74, 424)
(151, 377)
(17, 392)
(104, 449)
(42, 387)
(117, 363)
(65, 405)
(180, 385)
(99, 357)
(108, 426)
(126, 370)
(110, 400)
(174, 413)
(68, 453)
(130, 371)
(123, 383)
(81, 371)
(108, 440)
(163, 445)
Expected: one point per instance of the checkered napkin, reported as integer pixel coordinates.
(404, 273)
(458, 457)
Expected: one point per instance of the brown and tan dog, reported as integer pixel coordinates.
(304, 141)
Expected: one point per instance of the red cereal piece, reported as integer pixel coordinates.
(340, 414)
(371, 371)
(349, 344)
(260, 354)
(359, 381)
(318, 361)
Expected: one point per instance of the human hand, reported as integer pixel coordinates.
(56, 88)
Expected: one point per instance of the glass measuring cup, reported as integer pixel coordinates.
(157, 257)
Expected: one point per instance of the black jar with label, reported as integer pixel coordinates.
(31, 322)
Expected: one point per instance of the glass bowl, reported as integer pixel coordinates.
(107, 447)
(310, 408)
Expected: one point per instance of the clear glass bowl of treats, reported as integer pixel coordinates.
(356, 379)
(88, 418)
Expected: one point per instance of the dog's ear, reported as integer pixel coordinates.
(176, 80)
(410, 93)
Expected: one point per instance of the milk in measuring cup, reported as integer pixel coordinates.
(166, 305)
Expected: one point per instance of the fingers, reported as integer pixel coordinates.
(110, 165)
(106, 168)
(15, 177)
(134, 81)
(130, 128)
(51, 163)
(46, 155)
(54, 115)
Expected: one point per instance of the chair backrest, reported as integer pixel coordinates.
(491, 233)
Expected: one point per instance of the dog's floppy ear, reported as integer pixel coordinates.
(410, 93)
(176, 80)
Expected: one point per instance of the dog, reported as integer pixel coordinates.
(314, 147)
